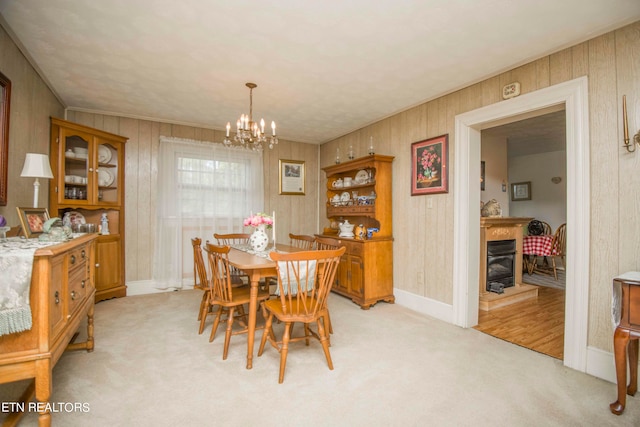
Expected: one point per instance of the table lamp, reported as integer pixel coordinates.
(36, 166)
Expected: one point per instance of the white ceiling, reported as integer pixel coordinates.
(323, 68)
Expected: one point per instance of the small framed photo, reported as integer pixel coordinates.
(521, 191)
(292, 177)
(429, 166)
(32, 220)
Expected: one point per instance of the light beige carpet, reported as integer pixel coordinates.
(393, 367)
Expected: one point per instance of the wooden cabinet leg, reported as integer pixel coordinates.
(43, 391)
(632, 349)
(620, 341)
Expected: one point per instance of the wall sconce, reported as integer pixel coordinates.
(636, 138)
(36, 166)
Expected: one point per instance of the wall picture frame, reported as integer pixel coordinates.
(292, 177)
(430, 166)
(32, 221)
(521, 191)
(5, 104)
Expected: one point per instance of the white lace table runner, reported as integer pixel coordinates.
(16, 263)
(261, 254)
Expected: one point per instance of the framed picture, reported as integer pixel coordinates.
(292, 177)
(5, 102)
(429, 166)
(521, 191)
(32, 220)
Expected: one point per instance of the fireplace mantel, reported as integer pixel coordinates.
(503, 228)
(504, 221)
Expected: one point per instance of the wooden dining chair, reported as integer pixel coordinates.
(230, 299)
(325, 243)
(558, 248)
(200, 280)
(238, 277)
(302, 241)
(304, 282)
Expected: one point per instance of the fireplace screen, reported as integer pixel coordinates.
(500, 265)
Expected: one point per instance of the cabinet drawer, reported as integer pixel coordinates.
(78, 258)
(356, 249)
(77, 289)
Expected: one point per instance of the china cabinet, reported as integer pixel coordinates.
(359, 191)
(88, 187)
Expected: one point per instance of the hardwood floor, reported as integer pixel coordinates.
(537, 323)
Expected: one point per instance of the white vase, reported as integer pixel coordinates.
(259, 239)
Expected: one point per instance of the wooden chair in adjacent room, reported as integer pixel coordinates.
(229, 298)
(558, 248)
(302, 241)
(304, 282)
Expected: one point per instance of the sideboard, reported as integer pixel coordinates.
(62, 293)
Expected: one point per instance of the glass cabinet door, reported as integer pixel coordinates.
(107, 172)
(76, 177)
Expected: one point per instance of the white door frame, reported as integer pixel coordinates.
(466, 232)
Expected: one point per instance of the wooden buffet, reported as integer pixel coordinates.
(365, 273)
(62, 293)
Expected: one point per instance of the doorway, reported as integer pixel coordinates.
(574, 96)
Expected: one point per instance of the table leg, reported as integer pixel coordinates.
(620, 341)
(253, 309)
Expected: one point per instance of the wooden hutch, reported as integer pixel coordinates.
(88, 169)
(365, 273)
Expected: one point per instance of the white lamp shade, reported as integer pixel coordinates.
(36, 166)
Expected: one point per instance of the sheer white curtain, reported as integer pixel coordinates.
(203, 187)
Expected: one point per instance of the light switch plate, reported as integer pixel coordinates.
(511, 90)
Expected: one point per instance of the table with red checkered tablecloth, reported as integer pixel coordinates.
(534, 246)
(538, 245)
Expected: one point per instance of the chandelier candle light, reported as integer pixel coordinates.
(248, 133)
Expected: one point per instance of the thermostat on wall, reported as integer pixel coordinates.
(511, 90)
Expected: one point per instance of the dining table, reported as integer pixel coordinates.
(257, 266)
(534, 246)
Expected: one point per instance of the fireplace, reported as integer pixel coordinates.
(500, 265)
(500, 262)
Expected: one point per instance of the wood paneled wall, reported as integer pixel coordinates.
(32, 103)
(423, 244)
(295, 213)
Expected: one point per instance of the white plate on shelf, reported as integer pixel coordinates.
(104, 154)
(344, 197)
(362, 177)
(105, 177)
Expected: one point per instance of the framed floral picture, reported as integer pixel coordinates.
(32, 221)
(429, 166)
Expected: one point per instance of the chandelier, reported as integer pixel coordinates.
(250, 134)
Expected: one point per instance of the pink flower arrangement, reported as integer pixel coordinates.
(429, 163)
(258, 219)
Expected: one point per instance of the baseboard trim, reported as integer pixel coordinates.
(143, 287)
(424, 305)
(600, 363)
